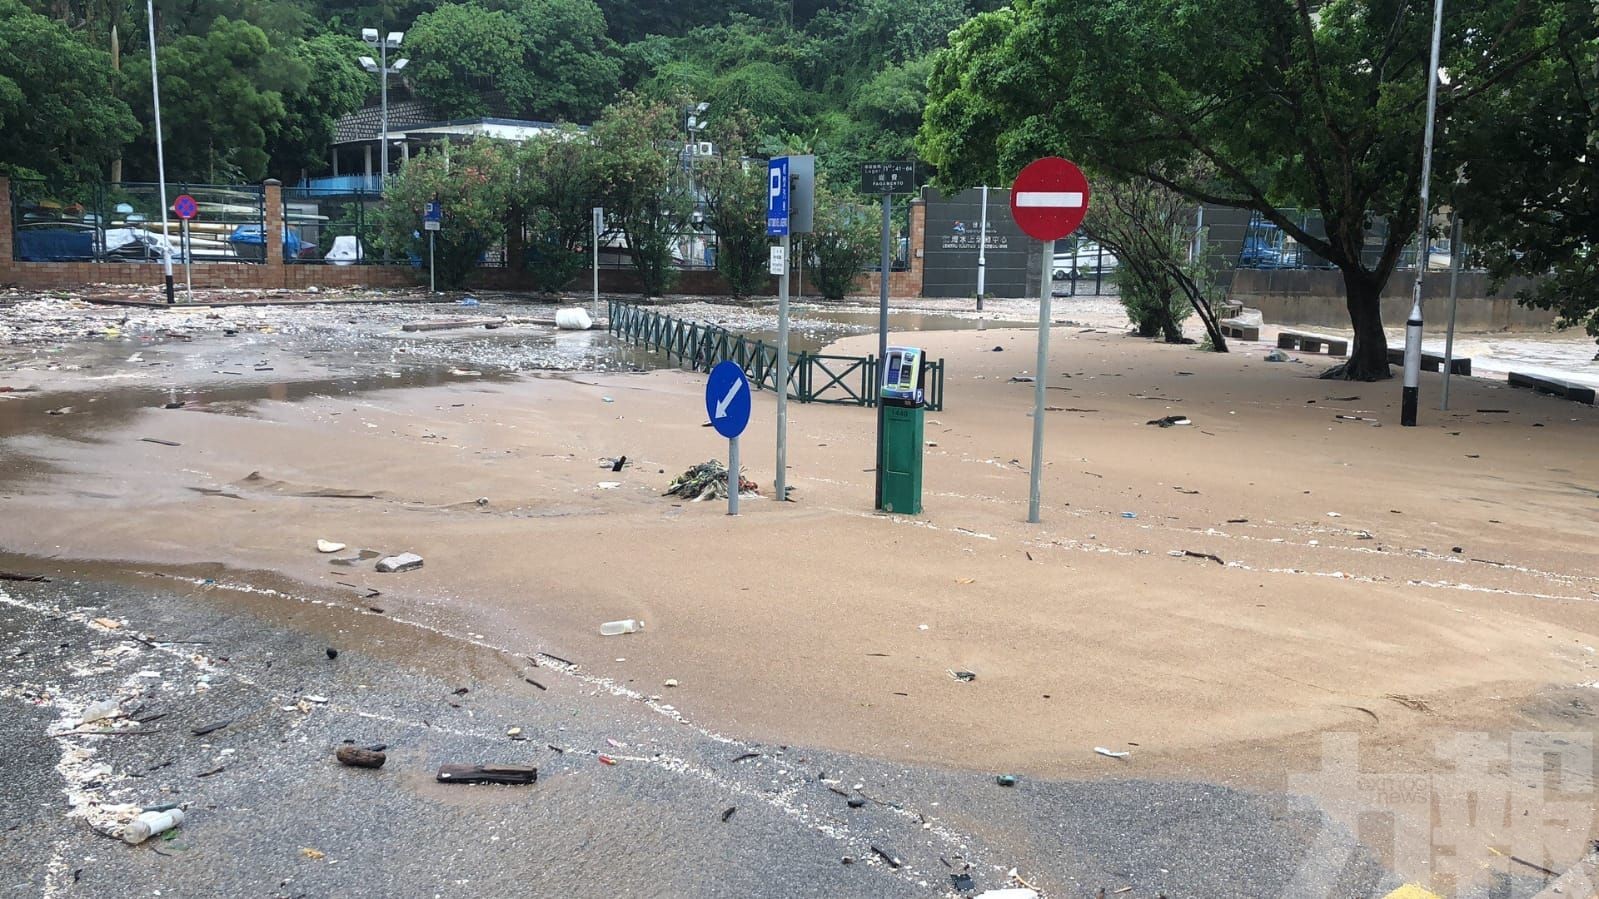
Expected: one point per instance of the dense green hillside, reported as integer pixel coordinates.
(251, 88)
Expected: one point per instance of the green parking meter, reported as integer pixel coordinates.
(900, 456)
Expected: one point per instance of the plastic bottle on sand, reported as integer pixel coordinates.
(625, 626)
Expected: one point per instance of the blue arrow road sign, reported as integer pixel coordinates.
(777, 197)
(727, 399)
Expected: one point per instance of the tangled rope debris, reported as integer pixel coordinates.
(708, 480)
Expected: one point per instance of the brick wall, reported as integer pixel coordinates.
(275, 274)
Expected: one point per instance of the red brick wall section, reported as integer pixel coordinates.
(272, 230)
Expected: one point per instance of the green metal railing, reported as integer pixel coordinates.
(812, 377)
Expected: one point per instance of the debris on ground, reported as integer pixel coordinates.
(1170, 421)
(671, 682)
(148, 824)
(23, 578)
(888, 857)
(332, 653)
(708, 480)
(728, 813)
(573, 318)
(964, 676)
(328, 546)
(159, 441)
(363, 757)
(204, 729)
(1008, 893)
(1022, 379)
(624, 626)
(313, 854)
(488, 774)
(401, 562)
(1277, 356)
(1188, 553)
(1414, 703)
(99, 711)
(1006, 780)
(1111, 753)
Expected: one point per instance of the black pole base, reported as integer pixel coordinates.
(171, 295)
(1407, 409)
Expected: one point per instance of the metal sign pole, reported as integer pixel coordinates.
(599, 215)
(982, 251)
(1048, 248)
(160, 156)
(188, 262)
(781, 480)
(733, 476)
(1454, 298)
(882, 341)
(432, 282)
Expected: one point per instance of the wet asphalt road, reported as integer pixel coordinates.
(272, 814)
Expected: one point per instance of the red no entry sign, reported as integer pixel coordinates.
(1049, 198)
(185, 206)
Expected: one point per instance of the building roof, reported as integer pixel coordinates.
(364, 124)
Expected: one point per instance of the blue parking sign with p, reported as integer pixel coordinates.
(777, 197)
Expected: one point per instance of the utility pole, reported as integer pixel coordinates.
(160, 156)
(382, 69)
(982, 251)
(1407, 412)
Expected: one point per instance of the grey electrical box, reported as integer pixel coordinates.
(801, 194)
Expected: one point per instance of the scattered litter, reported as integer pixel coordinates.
(315, 855)
(1022, 379)
(328, 546)
(1334, 515)
(856, 801)
(1190, 554)
(746, 757)
(606, 760)
(1237, 521)
(332, 653)
(159, 441)
(963, 882)
(487, 774)
(99, 711)
(1539, 868)
(1008, 893)
(1413, 703)
(965, 676)
(1006, 780)
(401, 562)
(1277, 356)
(465, 373)
(624, 626)
(323, 700)
(728, 813)
(888, 857)
(360, 757)
(1115, 755)
(148, 824)
(999, 349)
(482, 500)
(64, 410)
(708, 480)
(608, 485)
(619, 462)
(514, 733)
(109, 624)
(671, 682)
(467, 301)
(1129, 514)
(1170, 421)
(607, 399)
(204, 729)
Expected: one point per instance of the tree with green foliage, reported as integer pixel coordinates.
(334, 86)
(557, 183)
(473, 181)
(571, 69)
(843, 240)
(459, 51)
(1290, 104)
(1146, 226)
(59, 110)
(734, 187)
(643, 182)
(1529, 195)
(221, 101)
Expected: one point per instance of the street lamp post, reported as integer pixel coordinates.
(160, 157)
(383, 70)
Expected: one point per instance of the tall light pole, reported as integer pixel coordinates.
(1407, 406)
(160, 157)
(383, 70)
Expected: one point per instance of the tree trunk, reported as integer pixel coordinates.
(1368, 356)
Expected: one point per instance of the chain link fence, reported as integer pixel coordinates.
(121, 222)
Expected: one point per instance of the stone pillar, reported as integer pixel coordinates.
(272, 232)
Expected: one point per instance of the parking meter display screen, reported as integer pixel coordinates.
(907, 372)
(893, 370)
